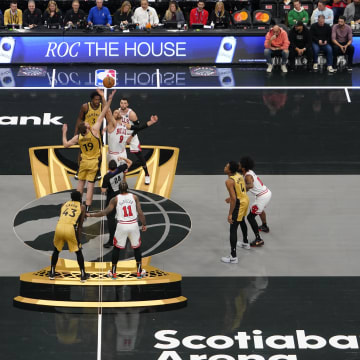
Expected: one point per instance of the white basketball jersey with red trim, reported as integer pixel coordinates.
(259, 188)
(126, 209)
(117, 139)
(125, 119)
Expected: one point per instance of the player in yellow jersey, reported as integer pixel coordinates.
(68, 230)
(90, 146)
(90, 111)
(239, 204)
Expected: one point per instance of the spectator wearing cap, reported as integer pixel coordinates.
(298, 13)
(276, 44)
(342, 39)
(322, 10)
(321, 40)
(300, 45)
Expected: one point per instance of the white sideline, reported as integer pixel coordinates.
(190, 88)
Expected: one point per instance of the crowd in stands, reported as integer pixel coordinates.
(329, 33)
(100, 15)
(299, 34)
(219, 15)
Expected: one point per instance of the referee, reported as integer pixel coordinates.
(110, 186)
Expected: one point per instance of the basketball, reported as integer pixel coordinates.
(108, 81)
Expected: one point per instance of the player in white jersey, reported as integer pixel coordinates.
(128, 116)
(128, 209)
(121, 133)
(262, 199)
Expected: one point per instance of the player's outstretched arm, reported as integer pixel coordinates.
(107, 210)
(140, 213)
(108, 116)
(153, 120)
(128, 161)
(106, 107)
(72, 141)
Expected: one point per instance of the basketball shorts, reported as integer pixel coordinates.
(114, 156)
(260, 203)
(124, 231)
(241, 209)
(88, 169)
(135, 144)
(66, 233)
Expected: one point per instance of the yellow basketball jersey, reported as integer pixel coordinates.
(70, 213)
(240, 187)
(90, 146)
(92, 114)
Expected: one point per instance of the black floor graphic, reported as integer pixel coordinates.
(167, 225)
(304, 318)
(287, 131)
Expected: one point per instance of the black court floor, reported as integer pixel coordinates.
(298, 124)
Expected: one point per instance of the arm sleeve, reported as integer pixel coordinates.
(313, 34)
(108, 15)
(316, 15)
(156, 18)
(206, 15)
(192, 17)
(138, 128)
(306, 15)
(331, 17)
(291, 19)
(181, 16)
(333, 33)
(105, 183)
(266, 42)
(90, 16)
(20, 17)
(122, 168)
(286, 42)
(6, 17)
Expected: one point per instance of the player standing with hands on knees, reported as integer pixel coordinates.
(128, 209)
(90, 146)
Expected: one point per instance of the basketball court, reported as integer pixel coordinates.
(294, 298)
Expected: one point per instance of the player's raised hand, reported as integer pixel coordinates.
(153, 119)
(100, 92)
(112, 95)
(64, 128)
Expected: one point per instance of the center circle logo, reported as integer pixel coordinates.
(167, 225)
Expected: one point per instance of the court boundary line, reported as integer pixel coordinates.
(187, 88)
(347, 95)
